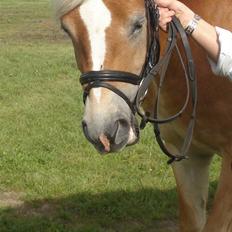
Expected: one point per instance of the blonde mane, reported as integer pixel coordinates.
(62, 7)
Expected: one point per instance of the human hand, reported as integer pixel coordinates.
(171, 4)
(165, 17)
(169, 8)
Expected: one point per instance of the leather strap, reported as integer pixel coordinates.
(174, 28)
(98, 84)
(153, 66)
(109, 75)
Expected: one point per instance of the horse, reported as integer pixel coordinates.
(112, 35)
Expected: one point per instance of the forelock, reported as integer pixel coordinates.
(62, 7)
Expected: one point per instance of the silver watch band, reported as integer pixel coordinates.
(192, 24)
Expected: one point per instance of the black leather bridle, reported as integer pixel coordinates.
(153, 66)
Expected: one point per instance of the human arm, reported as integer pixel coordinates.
(204, 34)
(216, 41)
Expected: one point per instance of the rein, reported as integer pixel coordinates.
(152, 67)
(175, 28)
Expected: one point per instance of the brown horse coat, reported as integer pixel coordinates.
(125, 47)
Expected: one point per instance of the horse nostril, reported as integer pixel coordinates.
(121, 132)
(122, 122)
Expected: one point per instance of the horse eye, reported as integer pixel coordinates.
(138, 26)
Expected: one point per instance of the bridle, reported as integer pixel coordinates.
(95, 79)
(153, 66)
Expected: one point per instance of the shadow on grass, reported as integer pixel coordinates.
(145, 210)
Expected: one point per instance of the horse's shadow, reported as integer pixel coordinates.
(143, 210)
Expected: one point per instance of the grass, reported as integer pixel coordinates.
(51, 179)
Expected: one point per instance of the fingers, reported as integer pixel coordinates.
(164, 3)
(165, 17)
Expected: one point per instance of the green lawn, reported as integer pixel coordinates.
(51, 179)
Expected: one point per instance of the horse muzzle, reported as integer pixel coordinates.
(112, 136)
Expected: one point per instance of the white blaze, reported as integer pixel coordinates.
(97, 18)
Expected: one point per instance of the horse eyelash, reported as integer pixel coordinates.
(137, 26)
(136, 29)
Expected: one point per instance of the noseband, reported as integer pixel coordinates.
(96, 79)
(152, 67)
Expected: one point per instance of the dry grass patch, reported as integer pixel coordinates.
(11, 199)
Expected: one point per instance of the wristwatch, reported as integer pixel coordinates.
(192, 24)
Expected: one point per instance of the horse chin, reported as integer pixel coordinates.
(113, 135)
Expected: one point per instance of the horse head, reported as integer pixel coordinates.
(107, 35)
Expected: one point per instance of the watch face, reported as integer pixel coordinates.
(192, 24)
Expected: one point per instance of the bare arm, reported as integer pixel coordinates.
(204, 34)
